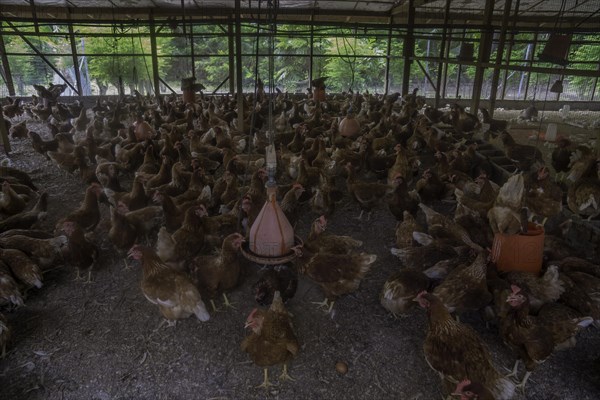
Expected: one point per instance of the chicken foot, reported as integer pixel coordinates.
(521, 386)
(284, 374)
(227, 303)
(515, 369)
(266, 384)
(89, 278)
(361, 214)
(325, 304)
(77, 275)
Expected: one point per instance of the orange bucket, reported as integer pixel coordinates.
(520, 252)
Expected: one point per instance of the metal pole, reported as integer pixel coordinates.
(75, 60)
(192, 48)
(6, 66)
(238, 66)
(442, 51)
(483, 54)
(595, 85)
(445, 62)
(509, 51)
(499, 56)
(409, 47)
(311, 53)
(154, 54)
(231, 56)
(464, 34)
(535, 40)
(388, 59)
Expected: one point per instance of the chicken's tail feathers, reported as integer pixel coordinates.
(277, 304)
(201, 312)
(583, 322)
(503, 389)
(366, 261)
(164, 244)
(553, 286)
(423, 239)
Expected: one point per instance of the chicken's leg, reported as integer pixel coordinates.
(515, 369)
(89, 278)
(212, 302)
(266, 384)
(360, 216)
(284, 374)
(521, 386)
(77, 275)
(227, 303)
(322, 304)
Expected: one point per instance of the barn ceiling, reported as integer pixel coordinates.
(529, 13)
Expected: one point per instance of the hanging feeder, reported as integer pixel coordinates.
(349, 126)
(271, 237)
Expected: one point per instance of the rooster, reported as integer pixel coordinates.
(172, 290)
(455, 351)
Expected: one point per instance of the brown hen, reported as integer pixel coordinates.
(272, 340)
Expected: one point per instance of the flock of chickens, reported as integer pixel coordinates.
(197, 183)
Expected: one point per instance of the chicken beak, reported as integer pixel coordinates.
(247, 325)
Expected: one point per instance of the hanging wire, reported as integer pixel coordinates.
(347, 58)
(145, 62)
(134, 74)
(254, 104)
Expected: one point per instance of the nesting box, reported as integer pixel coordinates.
(519, 252)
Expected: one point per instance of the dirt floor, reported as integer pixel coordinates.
(102, 340)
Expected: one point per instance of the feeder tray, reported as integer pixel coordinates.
(265, 260)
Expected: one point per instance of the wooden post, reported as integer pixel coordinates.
(238, 66)
(483, 54)
(408, 49)
(4, 134)
(6, 66)
(75, 60)
(231, 44)
(154, 54)
(388, 59)
(499, 56)
(442, 51)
